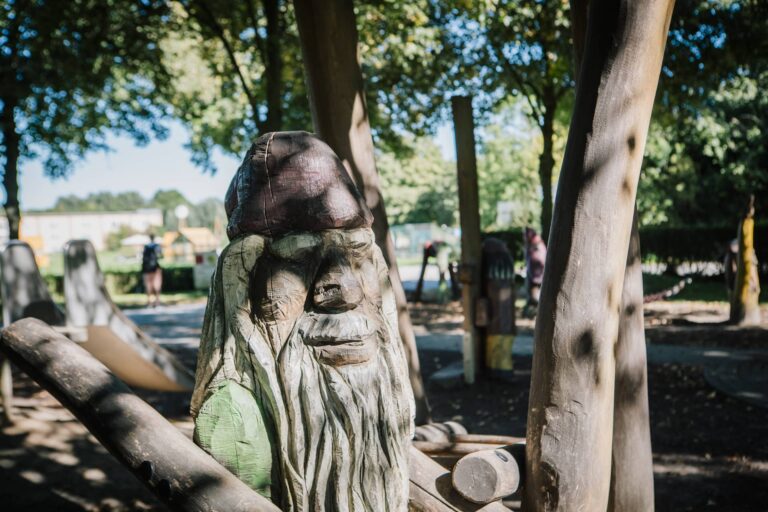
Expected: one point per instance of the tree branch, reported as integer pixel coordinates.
(218, 30)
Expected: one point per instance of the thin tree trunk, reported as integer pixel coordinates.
(632, 457)
(546, 165)
(328, 36)
(570, 411)
(273, 73)
(11, 172)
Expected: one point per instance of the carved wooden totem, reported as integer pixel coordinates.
(302, 387)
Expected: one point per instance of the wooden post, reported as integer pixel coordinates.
(179, 473)
(469, 220)
(328, 34)
(570, 412)
(632, 456)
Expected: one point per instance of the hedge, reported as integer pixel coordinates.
(175, 279)
(670, 245)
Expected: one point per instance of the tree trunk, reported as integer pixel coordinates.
(570, 412)
(546, 165)
(273, 73)
(632, 457)
(179, 473)
(328, 36)
(11, 172)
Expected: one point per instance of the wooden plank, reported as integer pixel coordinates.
(469, 219)
(179, 473)
(570, 412)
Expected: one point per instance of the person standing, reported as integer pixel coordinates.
(151, 271)
(535, 256)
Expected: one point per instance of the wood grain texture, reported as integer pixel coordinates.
(570, 414)
(329, 46)
(632, 456)
(489, 475)
(431, 489)
(179, 473)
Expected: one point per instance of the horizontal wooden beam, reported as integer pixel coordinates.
(178, 472)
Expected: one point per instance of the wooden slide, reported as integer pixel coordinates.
(111, 337)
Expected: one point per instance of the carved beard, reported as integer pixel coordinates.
(349, 425)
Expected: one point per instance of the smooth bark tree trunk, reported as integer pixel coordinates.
(273, 72)
(632, 456)
(546, 166)
(328, 34)
(471, 244)
(11, 172)
(570, 412)
(12, 212)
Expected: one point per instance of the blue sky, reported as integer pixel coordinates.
(159, 165)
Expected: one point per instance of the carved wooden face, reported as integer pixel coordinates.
(324, 287)
(307, 323)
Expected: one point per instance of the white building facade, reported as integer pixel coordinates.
(54, 229)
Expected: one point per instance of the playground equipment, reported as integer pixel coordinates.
(111, 337)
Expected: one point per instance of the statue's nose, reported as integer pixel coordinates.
(336, 288)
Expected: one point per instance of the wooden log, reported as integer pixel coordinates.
(179, 473)
(570, 412)
(469, 219)
(438, 431)
(632, 457)
(452, 448)
(431, 489)
(489, 475)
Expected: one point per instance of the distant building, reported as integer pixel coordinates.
(184, 244)
(51, 230)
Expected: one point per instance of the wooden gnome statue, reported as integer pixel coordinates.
(302, 385)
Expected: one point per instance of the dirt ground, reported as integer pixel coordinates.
(710, 450)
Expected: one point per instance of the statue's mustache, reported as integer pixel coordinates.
(333, 329)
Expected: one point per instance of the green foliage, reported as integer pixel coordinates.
(507, 171)
(420, 187)
(706, 148)
(70, 71)
(100, 202)
(113, 239)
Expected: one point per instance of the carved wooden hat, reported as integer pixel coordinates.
(292, 181)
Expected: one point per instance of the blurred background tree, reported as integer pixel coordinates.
(70, 72)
